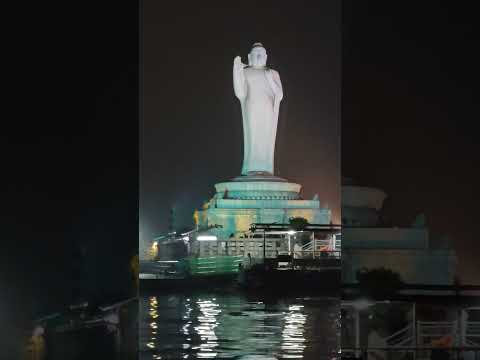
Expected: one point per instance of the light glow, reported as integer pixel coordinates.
(207, 238)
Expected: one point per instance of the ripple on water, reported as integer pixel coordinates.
(234, 327)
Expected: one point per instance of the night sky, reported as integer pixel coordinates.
(192, 129)
(69, 162)
(409, 113)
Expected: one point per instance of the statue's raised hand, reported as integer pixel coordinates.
(239, 84)
(237, 63)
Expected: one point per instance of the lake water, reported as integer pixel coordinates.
(236, 326)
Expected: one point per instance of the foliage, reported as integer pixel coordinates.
(298, 223)
(379, 283)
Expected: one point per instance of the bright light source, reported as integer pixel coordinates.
(291, 232)
(206, 238)
(155, 244)
(185, 238)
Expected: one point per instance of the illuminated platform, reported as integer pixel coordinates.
(258, 199)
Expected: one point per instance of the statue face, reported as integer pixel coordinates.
(257, 57)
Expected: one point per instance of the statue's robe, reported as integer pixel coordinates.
(260, 107)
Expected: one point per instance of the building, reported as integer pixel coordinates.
(369, 244)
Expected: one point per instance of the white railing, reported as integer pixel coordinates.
(318, 254)
(319, 244)
(273, 248)
(428, 331)
(472, 333)
(316, 248)
(308, 246)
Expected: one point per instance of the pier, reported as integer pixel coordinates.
(457, 334)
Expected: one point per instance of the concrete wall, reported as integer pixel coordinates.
(384, 238)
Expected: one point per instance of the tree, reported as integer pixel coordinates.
(379, 283)
(420, 221)
(298, 223)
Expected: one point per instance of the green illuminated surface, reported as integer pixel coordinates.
(214, 265)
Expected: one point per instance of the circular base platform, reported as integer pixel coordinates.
(257, 188)
(258, 176)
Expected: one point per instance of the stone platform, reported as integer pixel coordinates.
(258, 198)
(257, 190)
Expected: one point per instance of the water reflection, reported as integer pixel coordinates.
(206, 329)
(293, 341)
(234, 327)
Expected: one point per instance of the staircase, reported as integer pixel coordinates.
(402, 338)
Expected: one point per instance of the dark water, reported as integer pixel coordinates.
(226, 326)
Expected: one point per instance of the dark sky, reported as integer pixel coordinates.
(409, 114)
(192, 130)
(70, 158)
(69, 168)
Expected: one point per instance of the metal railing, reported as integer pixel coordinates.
(418, 353)
(403, 337)
(317, 254)
(428, 331)
(317, 248)
(472, 333)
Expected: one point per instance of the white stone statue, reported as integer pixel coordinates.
(260, 91)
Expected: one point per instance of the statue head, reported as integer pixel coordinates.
(257, 56)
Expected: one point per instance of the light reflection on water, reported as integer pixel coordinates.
(214, 326)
